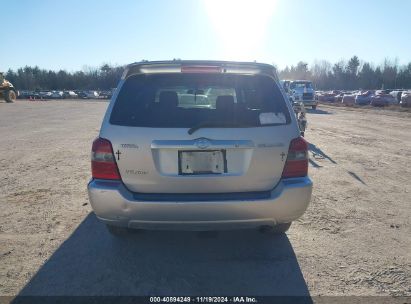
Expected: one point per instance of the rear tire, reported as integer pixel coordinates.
(117, 231)
(277, 229)
(10, 96)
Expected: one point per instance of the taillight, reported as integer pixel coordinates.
(296, 164)
(103, 163)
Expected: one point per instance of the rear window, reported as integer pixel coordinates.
(185, 100)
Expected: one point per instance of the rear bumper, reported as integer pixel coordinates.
(114, 204)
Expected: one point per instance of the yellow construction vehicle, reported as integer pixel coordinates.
(7, 90)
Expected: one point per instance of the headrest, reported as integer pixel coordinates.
(168, 99)
(225, 102)
(197, 92)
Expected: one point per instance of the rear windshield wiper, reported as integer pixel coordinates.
(216, 124)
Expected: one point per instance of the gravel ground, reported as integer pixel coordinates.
(353, 240)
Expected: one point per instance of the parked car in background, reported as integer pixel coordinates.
(103, 94)
(383, 92)
(240, 162)
(364, 98)
(383, 98)
(339, 97)
(45, 94)
(332, 94)
(328, 96)
(70, 94)
(397, 94)
(106, 94)
(81, 94)
(56, 95)
(348, 99)
(92, 94)
(319, 95)
(33, 95)
(303, 91)
(405, 99)
(24, 94)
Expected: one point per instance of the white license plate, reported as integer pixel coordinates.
(202, 162)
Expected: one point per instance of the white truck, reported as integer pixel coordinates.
(302, 91)
(297, 103)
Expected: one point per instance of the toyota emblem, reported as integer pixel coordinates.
(202, 143)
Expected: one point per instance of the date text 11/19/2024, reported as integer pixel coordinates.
(203, 299)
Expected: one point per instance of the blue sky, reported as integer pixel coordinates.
(73, 34)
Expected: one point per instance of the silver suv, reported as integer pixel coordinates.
(199, 145)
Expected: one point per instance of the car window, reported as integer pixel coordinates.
(295, 85)
(184, 100)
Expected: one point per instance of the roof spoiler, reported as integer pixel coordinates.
(199, 66)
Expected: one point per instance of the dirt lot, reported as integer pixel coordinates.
(353, 240)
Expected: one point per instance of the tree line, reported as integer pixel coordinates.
(33, 78)
(352, 74)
